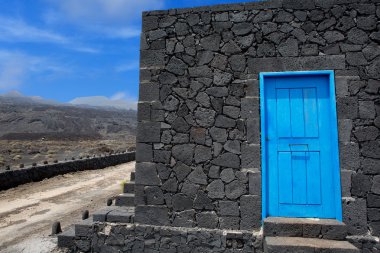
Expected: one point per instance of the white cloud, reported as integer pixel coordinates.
(118, 96)
(112, 18)
(14, 30)
(119, 100)
(102, 12)
(127, 67)
(85, 49)
(119, 32)
(16, 66)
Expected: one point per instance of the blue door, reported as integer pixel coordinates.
(301, 155)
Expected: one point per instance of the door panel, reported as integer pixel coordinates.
(300, 177)
(314, 179)
(296, 112)
(311, 112)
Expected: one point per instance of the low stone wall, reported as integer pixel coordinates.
(105, 237)
(13, 178)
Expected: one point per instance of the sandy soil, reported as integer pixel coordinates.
(28, 211)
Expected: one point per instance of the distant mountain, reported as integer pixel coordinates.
(101, 101)
(24, 117)
(17, 97)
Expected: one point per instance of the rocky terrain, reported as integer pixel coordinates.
(34, 130)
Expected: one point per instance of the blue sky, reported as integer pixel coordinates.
(66, 50)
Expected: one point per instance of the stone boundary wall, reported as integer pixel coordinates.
(198, 141)
(13, 178)
(101, 237)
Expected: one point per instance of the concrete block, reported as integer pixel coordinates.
(252, 88)
(277, 64)
(347, 107)
(250, 156)
(154, 195)
(250, 108)
(355, 216)
(149, 92)
(253, 131)
(250, 211)
(152, 58)
(143, 111)
(148, 132)
(146, 174)
(346, 182)
(344, 129)
(349, 156)
(341, 86)
(123, 215)
(144, 152)
(140, 198)
(152, 215)
(254, 183)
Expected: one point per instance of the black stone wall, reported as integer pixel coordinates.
(198, 151)
(13, 178)
(144, 238)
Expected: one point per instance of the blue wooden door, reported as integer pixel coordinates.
(299, 150)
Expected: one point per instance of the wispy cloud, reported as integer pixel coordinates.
(119, 100)
(118, 96)
(16, 30)
(85, 49)
(119, 32)
(107, 12)
(112, 18)
(127, 67)
(16, 66)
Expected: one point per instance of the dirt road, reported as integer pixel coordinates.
(28, 211)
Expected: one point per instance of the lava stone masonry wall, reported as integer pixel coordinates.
(142, 238)
(198, 151)
(13, 178)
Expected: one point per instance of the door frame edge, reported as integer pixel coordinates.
(334, 135)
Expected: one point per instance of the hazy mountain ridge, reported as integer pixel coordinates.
(33, 118)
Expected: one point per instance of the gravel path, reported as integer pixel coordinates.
(28, 211)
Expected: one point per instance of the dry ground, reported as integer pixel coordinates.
(27, 152)
(28, 211)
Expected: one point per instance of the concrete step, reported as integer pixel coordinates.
(125, 199)
(309, 228)
(66, 238)
(123, 214)
(84, 227)
(101, 215)
(133, 176)
(306, 245)
(129, 187)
